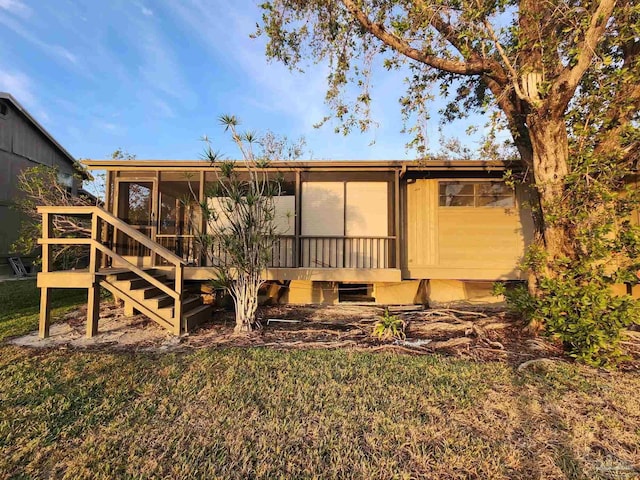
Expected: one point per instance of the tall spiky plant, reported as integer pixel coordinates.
(240, 219)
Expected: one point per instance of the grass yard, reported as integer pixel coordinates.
(265, 413)
(20, 305)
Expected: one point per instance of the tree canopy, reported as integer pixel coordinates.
(525, 60)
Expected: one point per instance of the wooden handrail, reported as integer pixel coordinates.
(117, 223)
(67, 209)
(65, 241)
(97, 214)
(343, 237)
(140, 237)
(138, 271)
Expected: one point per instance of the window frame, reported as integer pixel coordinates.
(476, 196)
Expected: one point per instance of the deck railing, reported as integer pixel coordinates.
(308, 252)
(102, 221)
(346, 252)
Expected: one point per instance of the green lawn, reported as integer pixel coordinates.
(20, 305)
(261, 413)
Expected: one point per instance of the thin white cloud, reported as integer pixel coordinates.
(162, 108)
(109, 127)
(16, 7)
(56, 51)
(146, 11)
(159, 68)
(225, 32)
(19, 85)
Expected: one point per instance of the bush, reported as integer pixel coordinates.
(585, 316)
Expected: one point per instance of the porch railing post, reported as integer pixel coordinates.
(396, 216)
(177, 312)
(297, 246)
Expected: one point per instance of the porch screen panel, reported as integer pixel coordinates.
(282, 251)
(179, 217)
(367, 226)
(214, 253)
(322, 228)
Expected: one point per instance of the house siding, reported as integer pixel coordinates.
(22, 145)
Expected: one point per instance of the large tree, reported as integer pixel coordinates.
(563, 76)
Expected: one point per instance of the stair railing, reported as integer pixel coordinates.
(99, 217)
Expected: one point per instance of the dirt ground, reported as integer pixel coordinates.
(478, 332)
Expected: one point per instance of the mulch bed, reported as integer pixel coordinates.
(483, 333)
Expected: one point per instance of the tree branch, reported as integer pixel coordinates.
(472, 67)
(507, 63)
(565, 86)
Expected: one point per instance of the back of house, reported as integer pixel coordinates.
(389, 232)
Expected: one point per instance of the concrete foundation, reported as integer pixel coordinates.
(309, 292)
(449, 291)
(400, 293)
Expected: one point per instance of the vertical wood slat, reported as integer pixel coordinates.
(396, 233)
(107, 200)
(45, 293)
(203, 224)
(297, 248)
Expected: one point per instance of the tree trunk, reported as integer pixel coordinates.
(550, 147)
(246, 303)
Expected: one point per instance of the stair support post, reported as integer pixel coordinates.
(45, 293)
(93, 294)
(177, 311)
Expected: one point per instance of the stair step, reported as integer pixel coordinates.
(137, 283)
(191, 303)
(187, 305)
(197, 316)
(129, 275)
(162, 300)
(147, 292)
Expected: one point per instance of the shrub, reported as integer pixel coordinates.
(585, 316)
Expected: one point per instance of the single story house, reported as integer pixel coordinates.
(388, 232)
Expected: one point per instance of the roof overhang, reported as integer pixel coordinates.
(312, 165)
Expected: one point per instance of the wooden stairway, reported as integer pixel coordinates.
(140, 295)
(157, 293)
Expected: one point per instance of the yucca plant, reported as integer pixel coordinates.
(389, 327)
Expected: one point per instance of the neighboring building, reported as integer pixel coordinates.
(24, 143)
(388, 232)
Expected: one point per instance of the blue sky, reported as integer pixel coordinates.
(152, 76)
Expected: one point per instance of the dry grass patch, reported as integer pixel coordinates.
(204, 410)
(238, 413)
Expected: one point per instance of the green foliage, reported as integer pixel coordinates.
(473, 55)
(586, 317)
(562, 77)
(573, 300)
(240, 214)
(389, 327)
